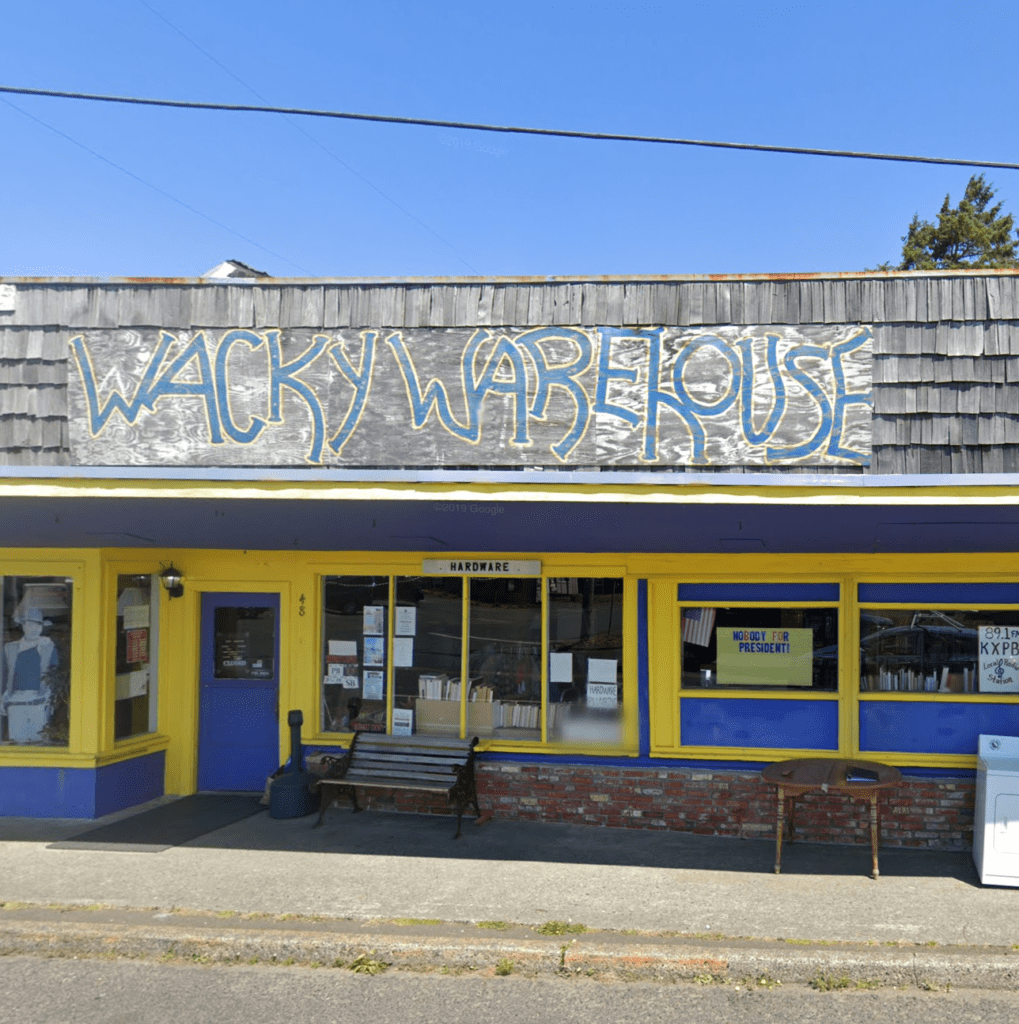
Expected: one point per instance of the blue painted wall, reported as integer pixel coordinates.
(930, 727)
(80, 792)
(128, 783)
(801, 724)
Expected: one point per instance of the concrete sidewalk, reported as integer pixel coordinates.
(653, 902)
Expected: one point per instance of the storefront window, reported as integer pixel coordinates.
(35, 674)
(585, 660)
(505, 654)
(939, 651)
(427, 654)
(355, 628)
(137, 648)
(760, 648)
(486, 684)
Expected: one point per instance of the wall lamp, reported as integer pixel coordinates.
(173, 581)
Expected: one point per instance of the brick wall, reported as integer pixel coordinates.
(933, 813)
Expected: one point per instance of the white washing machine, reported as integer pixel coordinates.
(996, 812)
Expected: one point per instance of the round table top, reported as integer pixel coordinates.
(804, 774)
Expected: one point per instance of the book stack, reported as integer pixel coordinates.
(517, 716)
(438, 687)
(908, 681)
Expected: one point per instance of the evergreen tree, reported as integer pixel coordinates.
(972, 234)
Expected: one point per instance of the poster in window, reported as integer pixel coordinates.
(999, 659)
(137, 643)
(374, 620)
(374, 650)
(764, 656)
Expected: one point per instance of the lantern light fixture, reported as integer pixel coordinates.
(173, 581)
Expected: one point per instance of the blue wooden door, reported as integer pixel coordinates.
(238, 718)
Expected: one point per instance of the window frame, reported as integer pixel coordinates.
(550, 569)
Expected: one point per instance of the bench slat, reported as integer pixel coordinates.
(366, 739)
(375, 782)
(442, 757)
(380, 762)
(398, 755)
(423, 770)
(432, 777)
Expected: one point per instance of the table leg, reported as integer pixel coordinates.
(874, 829)
(792, 820)
(778, 831)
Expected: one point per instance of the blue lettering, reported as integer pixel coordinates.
(435, 394)
(747, 390)
(204, 387)
(256, 425)
(98, 415)
(284, 375)
(688, 408)
(844, 399)
(607, 372)
(492, 382)
(360, 378)
(814, 390)
(560, 375)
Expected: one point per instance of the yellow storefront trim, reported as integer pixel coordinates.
(297, 576)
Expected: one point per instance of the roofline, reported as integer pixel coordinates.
(219, 474)
(845, 275)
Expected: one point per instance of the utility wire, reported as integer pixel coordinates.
(509, 129)
(148, 184)
(307, 135)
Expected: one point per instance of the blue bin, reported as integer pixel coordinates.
(289, 796)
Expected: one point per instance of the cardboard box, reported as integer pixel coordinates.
(442, 717)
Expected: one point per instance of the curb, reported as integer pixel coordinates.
(207, 939)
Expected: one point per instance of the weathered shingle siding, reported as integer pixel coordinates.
(946, 347)
(33, 396)
(946, 394)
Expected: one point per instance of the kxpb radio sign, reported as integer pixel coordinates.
(999, 659)
(558, 396)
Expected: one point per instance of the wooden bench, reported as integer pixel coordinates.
(425, 763)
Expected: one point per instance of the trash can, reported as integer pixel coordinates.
(289, 796)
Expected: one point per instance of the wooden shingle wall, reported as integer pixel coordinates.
(33, 396)
(946, 347)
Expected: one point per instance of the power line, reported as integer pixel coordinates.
(148, 184)
(509, 129)
(325, 149)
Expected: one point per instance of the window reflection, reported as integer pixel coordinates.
(505, 654)
(137, 646)
(760, 648)
(427, 652)
(585, 661)
(355, 618)
(939, 651)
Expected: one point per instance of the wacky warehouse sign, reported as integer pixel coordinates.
(557, 396)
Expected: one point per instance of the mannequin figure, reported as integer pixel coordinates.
(26, 664)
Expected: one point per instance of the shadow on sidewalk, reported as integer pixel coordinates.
(387, 834)
(236, 822)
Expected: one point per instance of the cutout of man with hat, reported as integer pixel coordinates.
(26, 665)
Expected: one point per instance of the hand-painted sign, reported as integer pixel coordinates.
(485, 396)
(999, 659)
(765, 657)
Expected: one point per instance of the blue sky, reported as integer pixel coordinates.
(335, 198)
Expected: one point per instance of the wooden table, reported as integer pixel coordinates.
(829, 775)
